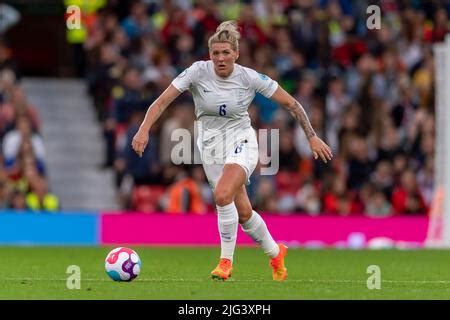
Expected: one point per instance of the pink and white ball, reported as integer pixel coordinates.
(122, 264)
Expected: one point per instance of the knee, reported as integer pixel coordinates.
(223, 197)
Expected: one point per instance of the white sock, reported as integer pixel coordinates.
(256, 228)
(228, 220)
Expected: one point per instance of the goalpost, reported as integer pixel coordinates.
(438, 234)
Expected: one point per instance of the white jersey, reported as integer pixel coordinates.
(225, 134)
(221, 103)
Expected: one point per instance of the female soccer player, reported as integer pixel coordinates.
(222, 91)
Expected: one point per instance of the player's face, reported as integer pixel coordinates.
(223, 56)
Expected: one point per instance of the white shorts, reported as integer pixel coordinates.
(242, 151)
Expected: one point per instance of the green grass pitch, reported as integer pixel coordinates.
(183, 274)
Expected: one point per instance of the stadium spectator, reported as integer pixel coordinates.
(181, 118)
(266, 198)
(138, 23)
(76, 37)
(18, 169)
(18, 106)
(335, 104)
(22, 147)
(425, 180)
(23, 141)
(436, 29)
(9, 16)
(359, 164)
(378, 205)
(382, 178)
(407, 197)
(40, 198)
(7, 61)
(28, 172)
(376, 85)
(4, 194)
(7, 83)
(185, 196)
(134, 171)
(103, 76)
(207, 196)
(18, 200)
(289, 158)
(249, 27)
(206, 14)
(128, 98)
(307, 199)
(339, 200)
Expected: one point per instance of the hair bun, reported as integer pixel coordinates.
(227, 31)
(231, 27)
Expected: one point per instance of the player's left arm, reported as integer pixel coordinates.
(318, 147)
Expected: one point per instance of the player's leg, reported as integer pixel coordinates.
(253, 225)
(232, 178)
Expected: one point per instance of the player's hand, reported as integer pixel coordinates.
(140, 141)
(320, 149)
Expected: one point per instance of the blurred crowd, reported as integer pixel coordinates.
(23, 179)
(368, 93)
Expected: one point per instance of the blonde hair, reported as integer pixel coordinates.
(228, 32)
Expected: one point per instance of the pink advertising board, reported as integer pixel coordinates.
(190, 229)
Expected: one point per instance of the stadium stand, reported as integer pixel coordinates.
(23, 173)
(369, 93)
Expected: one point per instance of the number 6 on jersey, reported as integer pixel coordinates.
(222, 110)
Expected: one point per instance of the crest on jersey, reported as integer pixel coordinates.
(263, 76)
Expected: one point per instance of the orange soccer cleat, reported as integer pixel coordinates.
(279, 271)
(223, 270)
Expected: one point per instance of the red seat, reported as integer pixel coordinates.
(146, 198)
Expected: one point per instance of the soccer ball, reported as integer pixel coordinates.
(122, 264)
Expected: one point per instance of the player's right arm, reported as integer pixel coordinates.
(140, 139)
